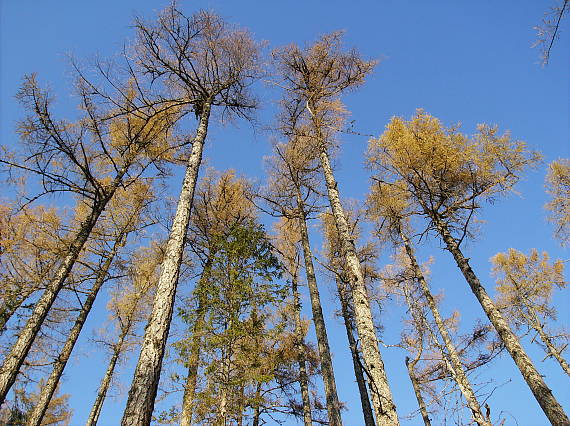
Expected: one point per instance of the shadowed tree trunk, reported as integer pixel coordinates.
(540, 390)
(417, 390)
(140, 403)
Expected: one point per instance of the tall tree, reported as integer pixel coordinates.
(446, 175)
(206, 62)
(558, 187)
(525, 285)
(315, 79)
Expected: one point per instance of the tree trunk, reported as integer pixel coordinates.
(106, 382)
(194, 356)
(333, 406)
(140, 403)
(256, 410)
(382, 401)
(300, 345)
(50, 386)
(358, 373)
(540, 390)
(10, 308)
(552, 350)
(20, 349)
(418, 391)
(456, 368)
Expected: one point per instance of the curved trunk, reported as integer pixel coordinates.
(333, 406)
(106, 382)
(50, 386)
(456, 368)
(300, 344)
(418, 391)
(140, 402)
(382, 401)
(534, 380)
(358, 373)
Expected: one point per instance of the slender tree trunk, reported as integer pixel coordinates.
(20, 349)
(50, 386)
(256, 410)
(358, 373)
(418, 391)
(194, 356)
(456, 368)
(382, 401)
(333, 406)
(540, 390)
(300, 346)
(10, 308)
(140, 403)
(106, 382)
(552, 350)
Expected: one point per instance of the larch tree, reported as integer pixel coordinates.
(525, 286)
(208, 63)
(314, 80)
(446, 176)
(558, 187)
(114, 141)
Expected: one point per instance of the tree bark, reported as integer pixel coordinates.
(140, 403)
(457, 370)
(382, 401)
(106, 382)
(418, 391)
(534, 380)
(551, 349)
(333, 406)
(358, 373)
(50, 386)
(300, 345)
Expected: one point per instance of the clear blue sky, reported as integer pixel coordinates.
(468, 62)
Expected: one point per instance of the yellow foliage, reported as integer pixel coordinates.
(558, 187)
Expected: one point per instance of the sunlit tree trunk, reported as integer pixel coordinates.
(300, 346)
(456, 368)
(50, 386)
(106, 381)
(333, 406)
(552, 350)
(382, 401)
(140, 403)
(418, 391)
(356, 363)
(540, 390)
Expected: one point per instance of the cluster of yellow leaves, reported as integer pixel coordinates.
(558, 187)
(526, 283)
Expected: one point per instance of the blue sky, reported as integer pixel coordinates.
(468, 62)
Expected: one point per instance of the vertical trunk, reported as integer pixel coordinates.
(333, 406)
(106, 382)
(49, 388)
(456, 368)
(300, 344)
(418, 391)
(20, 349)
(382, 401)
(194, 355)
(540, 390)
(140, 403)
(358, 373)
(256, 409)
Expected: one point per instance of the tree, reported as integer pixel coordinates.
(315, 79)
(445, 175)
(548, 31)
(525, 285)
(558, 187)
(206, 62)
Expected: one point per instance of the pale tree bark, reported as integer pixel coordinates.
(50, 385)
(356, 363)
(300, 347)
(140, 403)
(333, 406)
(21, 347)
(418, 391)
(552, 409)
(382, 401)
(456, 368)
(106, 381)
(552, 350)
